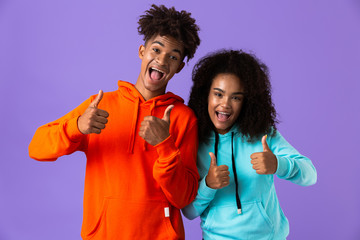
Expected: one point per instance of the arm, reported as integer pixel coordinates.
(175, 169)
(67, 134)
(203, 198)
(59, 137)
(291, 165)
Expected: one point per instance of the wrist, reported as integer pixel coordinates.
(72, 130)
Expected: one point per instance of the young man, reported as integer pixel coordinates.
(140, 142)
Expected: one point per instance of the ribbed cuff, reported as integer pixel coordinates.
(166, 148)
(72, 130)
(205, 191)
(282, 166)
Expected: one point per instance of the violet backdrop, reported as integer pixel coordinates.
(55, 54)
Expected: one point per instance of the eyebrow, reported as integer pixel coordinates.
(161, 44)
(220, 90)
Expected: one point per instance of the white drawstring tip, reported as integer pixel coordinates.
(239, 211)
(167, 212)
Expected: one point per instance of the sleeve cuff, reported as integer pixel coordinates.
(166, 148)
(282, 166)
(72, 130)
(205, 191)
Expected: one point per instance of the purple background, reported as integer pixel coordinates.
(55, 54)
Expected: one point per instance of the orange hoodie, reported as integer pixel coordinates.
(132, 190)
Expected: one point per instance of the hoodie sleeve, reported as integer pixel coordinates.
(175, 169)
(203, 198)
(292, 165)
(60, 137)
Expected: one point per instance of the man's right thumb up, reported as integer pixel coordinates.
(97, 100)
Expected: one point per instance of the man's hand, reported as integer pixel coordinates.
(155, 130)
(264, 162)
(93, 119)
(218, 176)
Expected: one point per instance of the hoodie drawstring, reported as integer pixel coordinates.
(238, 203)
(133, 126)
(152, 107)
(129, 92)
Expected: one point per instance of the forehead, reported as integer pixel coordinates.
(167, 42)
(226, 81)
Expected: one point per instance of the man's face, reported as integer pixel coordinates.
(162, 57)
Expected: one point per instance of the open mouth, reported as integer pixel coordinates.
(222, 116)
(156, 74)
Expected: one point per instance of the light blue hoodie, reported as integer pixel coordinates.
(261, 217)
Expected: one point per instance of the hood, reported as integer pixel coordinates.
(233, 130)
(129, 91)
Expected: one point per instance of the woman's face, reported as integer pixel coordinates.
(225, 101)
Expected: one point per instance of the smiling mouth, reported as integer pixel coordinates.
(156, 74)
(222, 116)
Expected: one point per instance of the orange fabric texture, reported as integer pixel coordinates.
(132, 190)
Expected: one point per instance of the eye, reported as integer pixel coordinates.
(217, 94)
(156, 50)
(237, 98)
(173, 58)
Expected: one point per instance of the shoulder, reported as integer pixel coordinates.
(183, 112)
(108, 98)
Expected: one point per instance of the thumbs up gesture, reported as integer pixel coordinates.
(155, 130)
(93, 119)
(264, 162)
(218, 176)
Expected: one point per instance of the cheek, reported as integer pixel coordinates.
(174, 68)
(211, 105)
(237, 109)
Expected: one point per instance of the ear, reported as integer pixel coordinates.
(182, 64)
(141, 51)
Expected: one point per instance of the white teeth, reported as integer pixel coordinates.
(157, 70)
(224, 113)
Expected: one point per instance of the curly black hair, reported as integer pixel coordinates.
(169, 22)
(258, 114)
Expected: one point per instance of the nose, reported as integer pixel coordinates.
(225, 102)
(161, 59)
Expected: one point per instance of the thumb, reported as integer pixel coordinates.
(167, 112)
(213, 162)
(97, 100)
(265, 145)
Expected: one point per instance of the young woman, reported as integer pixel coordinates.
(236, 199)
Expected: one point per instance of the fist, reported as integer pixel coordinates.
(93, 120)
(218, 176)
(155, 130)
(264, 162)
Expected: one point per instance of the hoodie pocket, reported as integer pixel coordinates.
(120, 219)
(224, 221)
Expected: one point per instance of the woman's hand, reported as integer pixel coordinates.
(264, 162)
(218, 176)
